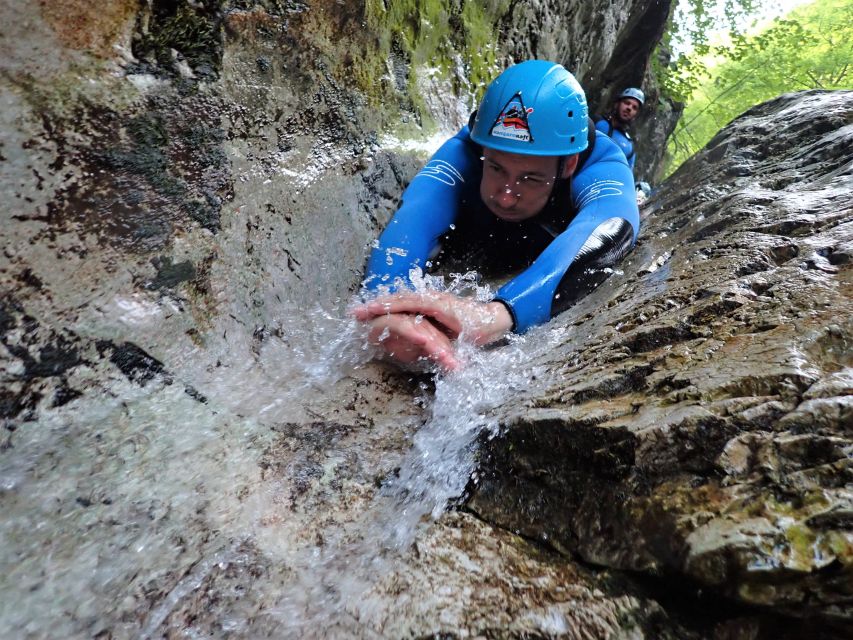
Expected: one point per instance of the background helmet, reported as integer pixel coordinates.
(631, 92)
(534, 108)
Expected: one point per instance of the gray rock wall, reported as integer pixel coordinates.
(193, 439)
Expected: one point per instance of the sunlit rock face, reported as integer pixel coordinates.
(697, 421)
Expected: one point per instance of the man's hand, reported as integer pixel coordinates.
(408, 338)
(476, 322)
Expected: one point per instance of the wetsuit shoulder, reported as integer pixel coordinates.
(606, 182)
(603, 195)
(430, 204)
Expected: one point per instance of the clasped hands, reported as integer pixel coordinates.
(412, 326)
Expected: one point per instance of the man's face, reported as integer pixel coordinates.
(516, 187)
(627, 109)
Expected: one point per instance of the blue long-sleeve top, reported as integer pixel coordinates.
(622, 139)
(445, 193)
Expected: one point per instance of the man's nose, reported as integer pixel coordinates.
(507, 196)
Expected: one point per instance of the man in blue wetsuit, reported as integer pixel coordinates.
(616, 123)
(531, 185)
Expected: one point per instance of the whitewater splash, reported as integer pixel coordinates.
(336, 578)
(284, 444)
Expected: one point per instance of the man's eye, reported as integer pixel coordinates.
(531, 179)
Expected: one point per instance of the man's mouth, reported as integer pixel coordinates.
(510, 215)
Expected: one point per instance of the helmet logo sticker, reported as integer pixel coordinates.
(511, 123)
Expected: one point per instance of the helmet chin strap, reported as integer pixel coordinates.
(561, 165)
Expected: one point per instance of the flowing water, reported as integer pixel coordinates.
(335, 580)
(121, 506)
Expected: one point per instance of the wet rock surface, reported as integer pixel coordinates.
(193, 439)
(702, 428)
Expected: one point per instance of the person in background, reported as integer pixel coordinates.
(533, 187)
(615, 124)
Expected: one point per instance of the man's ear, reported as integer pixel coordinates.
(569, 166)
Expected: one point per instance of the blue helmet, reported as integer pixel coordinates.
(632, 92)
(534, 108)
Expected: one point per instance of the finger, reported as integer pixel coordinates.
(404, 351)
(372, 309)
(361, 313)
(438, 310)
(445, 358)
(439, 349)
(406, 298)
(400, 348)
(389, 336)
(408, 339)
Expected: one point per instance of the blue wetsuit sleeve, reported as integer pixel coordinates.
(601, 191)
(430, 204)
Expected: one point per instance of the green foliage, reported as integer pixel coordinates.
(687, 29)
(192, 29)
(810, 49)
(438, 35)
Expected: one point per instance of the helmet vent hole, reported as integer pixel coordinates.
(571, 114)
(572, 139)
